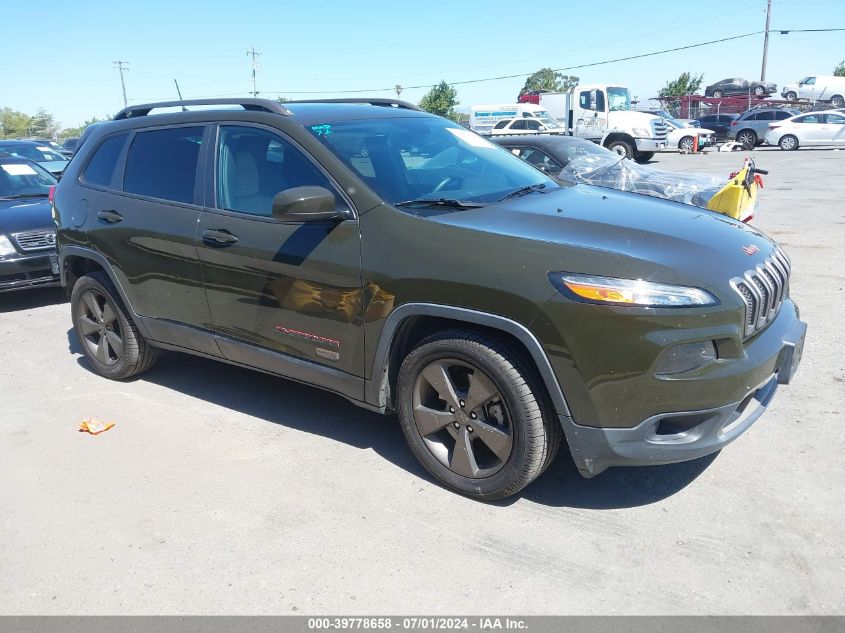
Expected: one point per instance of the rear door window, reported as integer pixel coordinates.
(163, 163)
(100, 170)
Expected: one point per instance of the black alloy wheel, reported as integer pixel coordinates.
(99, 327)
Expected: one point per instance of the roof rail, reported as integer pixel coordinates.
(390, 103)
(259, 105)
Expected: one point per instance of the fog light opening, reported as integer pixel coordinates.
(686, 357)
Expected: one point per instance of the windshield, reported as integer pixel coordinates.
(38, 153)
(550, 123)
(619, 99)
(24, 179)
(426, 158)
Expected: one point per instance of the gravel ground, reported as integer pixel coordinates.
(224, 491)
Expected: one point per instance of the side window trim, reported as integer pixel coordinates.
(213, 156)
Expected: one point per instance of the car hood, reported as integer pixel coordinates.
(25, 214)
(641, 236)
(54, 166)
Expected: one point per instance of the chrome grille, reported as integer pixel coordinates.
(35, 240)
(660, 129)
(763, 290)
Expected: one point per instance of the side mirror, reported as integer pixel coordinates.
(542, 128)
(304, 204)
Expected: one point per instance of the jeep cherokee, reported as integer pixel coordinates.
(411, 266)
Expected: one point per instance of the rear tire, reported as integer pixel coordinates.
(790, 96)
(837, 101)
(788, 142)
(759, 91)
(473, 416)
(621, 147)
(718, 94)
(109, 338)
(747, 138)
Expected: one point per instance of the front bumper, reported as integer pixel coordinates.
(650, 144)
(28, 271)
(672, 437)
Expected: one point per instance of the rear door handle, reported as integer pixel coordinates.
(220, 237)
(110, 216)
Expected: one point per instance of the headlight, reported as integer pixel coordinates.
(632, 292)
(6, 247)
(641, 131)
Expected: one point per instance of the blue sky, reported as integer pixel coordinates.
(65, 64)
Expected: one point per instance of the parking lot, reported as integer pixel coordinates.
(221, 490)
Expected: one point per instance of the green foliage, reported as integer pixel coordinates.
(839, 71)
(549, 80)
(281, 99)
(441, 100)
(76, 132)
(685, 84)
(13, 124)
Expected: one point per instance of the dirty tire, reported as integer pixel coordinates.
(747, 138)
(788, 142)
(623, 148)
(526, 416)
(117, 350)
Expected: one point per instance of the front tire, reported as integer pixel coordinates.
(107, 335)
(788, 142)
(759, 91)
(621, 147)
(643, 157)
(747, 138)
(718, 94)
(473, 417)
(686, 143)
(790, 96)
(837, 101)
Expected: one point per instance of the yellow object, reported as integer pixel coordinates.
(598, 293)
(94, 427)
(738, 198)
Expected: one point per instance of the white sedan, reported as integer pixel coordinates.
(808, 130)
(681, 136)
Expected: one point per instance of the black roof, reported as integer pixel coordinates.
(18, 143)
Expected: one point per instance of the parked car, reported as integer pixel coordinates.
(719, 123)
(54, 145)
(574, 160)
(410, 265)
(808, 130)
(524, 125)
(70, 144)
(751, 126)
(817, 87)
(27, 233)
(738, 86)
(37, 152)
(682, 136)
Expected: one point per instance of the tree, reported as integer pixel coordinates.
(839, 71)
(43, 124)
(550, 81)
(685, 84)
(281, 99)
(13, 123)
(441, 100)
(76, 132)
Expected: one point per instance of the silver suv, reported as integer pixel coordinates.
(751, 126)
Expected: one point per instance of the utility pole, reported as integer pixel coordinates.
(766, 40)
(121, 66)
(254, 54)
(398, 90)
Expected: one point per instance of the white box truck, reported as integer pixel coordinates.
(483, 118)
(602, 113)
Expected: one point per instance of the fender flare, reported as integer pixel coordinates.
(375, 390)
(87, 253)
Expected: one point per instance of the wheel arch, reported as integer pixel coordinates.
(76, 261)
(410, 323)
(619, 136)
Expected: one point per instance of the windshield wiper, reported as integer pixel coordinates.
(440, 202)
(524, 191)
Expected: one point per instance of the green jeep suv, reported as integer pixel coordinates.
(411, 266)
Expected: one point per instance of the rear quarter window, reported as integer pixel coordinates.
(100, 169)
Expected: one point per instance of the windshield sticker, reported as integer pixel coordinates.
(41, 148)
(18, 169)
(322, 130)
(471, 138)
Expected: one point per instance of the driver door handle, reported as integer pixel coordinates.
(220, 237)
(110, 216)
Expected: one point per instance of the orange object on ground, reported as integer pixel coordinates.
(94, 427)
(695, 144)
